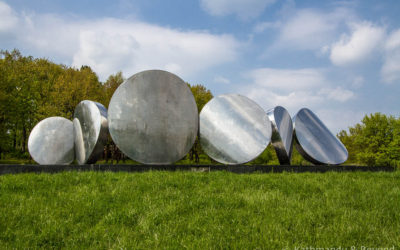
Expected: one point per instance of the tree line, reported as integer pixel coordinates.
(32, 89)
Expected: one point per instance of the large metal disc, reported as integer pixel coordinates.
(153, 117)
(315, 142)
(91, 131)
(234, 129)
(52, 141)
(282, 133)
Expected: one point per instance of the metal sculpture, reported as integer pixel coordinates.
(282, 133)
(153, 117)
(51, 141)
(234, 129)
(90, 130)
(315, 142)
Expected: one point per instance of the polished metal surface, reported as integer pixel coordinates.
(315, 142)
(153, 117)
(234, 129)
(282, 133)
(51, 141)
(90, 130)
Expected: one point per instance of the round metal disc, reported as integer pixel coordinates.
(282, 133)
(234, 129)
(153, 117)
(90, 130)
(315, 142)
(52, 142)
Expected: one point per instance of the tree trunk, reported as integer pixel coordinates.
(14, 139)
(23, 138)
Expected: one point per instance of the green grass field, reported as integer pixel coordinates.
(199, 210)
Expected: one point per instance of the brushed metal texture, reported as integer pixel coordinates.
(51, 141)
(282, 133)
(234, 129)
(315, 142)
(91, 131)
(153, 117)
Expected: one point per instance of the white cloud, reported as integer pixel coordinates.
(393, 41)
(221, 79)
(287, 79)
(8, 18)
(262, 26)
(357, 82)
(335, 119)
(390, 71)
(292, 101)
(109, 45)
(295, 89)
(357, 47)
(310, 29)
(243, 8)
(339, 119)
(336, 94)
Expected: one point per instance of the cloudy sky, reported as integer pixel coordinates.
(339, 58)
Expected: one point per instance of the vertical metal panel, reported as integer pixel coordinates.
(282, 133)
(91, 131)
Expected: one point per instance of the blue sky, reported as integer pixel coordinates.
(341, 59)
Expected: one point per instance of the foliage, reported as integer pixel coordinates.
(111, 85)
(196, 154)
(175, 210)
(376, 141)
(33, 89)
(201, 94)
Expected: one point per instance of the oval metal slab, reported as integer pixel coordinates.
(315, 142)
(153, 117)
(52, 142)
(234, 129)
(90, 130)
(282, 133)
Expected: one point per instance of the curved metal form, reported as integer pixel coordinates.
(234, 129)
(315, 142)
(52, 142)
(90, 130)
(153, 117)
(282, 133)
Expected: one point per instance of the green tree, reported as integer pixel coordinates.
(376, 141)
(21, 97)
(33, 89)
(111, 85)
(201, 95)
(268, 156)
(74, 86)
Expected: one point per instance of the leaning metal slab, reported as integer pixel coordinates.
(282, 133)
(234, 129)
(153, 117)
(315, 142)
(90, 130)
(52, 142)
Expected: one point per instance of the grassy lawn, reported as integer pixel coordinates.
(199, 210)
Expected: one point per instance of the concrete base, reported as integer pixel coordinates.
(15, 169)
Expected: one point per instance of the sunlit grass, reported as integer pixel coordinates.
(199, 210)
